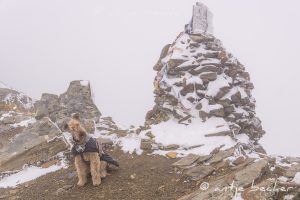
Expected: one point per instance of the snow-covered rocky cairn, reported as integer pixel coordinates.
(200, 84)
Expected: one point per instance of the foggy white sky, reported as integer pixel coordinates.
(114, 44)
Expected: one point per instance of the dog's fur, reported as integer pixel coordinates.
(96, 167)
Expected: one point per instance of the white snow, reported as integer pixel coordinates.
(29, 103)
(20, 97)
(6, 115)
(297, 178)
(171, 132)
(283, 179)
(241, 111)
(214, 87)
(27, 174)
(230, 93)
(243, 93)
(193, 80)
(243, 138)
(207, 108)
(280, 162)
(68, 138)
(8, 98)
(84, 83)
(253, 155)
(24, 123)
(131, 143)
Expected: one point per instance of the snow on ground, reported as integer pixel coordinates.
(280, 162)
(186, 136)
(24, 123)
(29, 173)
(253, 155)
(297, 178)
(171, 132)
(131, 143)
(6, 115)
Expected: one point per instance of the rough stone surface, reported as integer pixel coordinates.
(209, 76)
(77, 99)
(250, 173)
(291, 171)
(12, 100)
(146, 144)
(205, 158)
(221, 155)
(14, 118)
(42, 152)
(201, 21)
(199, 172)
(239, 160)
(171, 147)
(171, 154)
(187, 160)
(163, 54)
(221, 133)
(31, 137)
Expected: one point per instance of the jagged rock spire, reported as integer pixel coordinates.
(201, 21)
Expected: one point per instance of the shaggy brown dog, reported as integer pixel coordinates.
(86, 162)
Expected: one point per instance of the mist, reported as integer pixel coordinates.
(114, 44)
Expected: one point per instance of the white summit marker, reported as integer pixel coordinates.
(201, 22)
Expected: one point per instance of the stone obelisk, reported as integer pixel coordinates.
(201, 22)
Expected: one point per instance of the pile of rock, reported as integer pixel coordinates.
(198, 78)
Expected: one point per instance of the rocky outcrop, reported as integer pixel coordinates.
(28, 140)
(12, 100)
(249, 178)
(77, 99)
(39, 141)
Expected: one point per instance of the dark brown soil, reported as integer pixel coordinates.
(154, 179)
